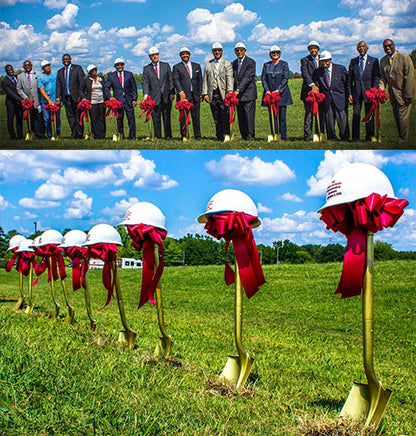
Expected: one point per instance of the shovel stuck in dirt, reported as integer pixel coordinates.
(69, 319)
(30, 305)
(21, 301)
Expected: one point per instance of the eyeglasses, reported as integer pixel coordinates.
(118, 65)
(237, 50)
(275, 52)
(217, 50)
(388, 45)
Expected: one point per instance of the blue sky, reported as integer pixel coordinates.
(99, 31)
(78, 189)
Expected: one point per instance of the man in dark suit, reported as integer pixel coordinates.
(308, 65)
(157, 82)
(13, 104)
(125, 90)
(68, 81)
(363, 74)
(244, 69)
(332, 80)
(187, 78)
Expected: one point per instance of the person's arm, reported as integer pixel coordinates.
(60, 92)
(19, 88)
(264, 80)
(249, 76)
(11, 91)
(107, 87)
(134, 90)
(176, 77)
(229, 74)
(308, 78)
(82, 91)
(43, 94)
(171, 85)
(285, 77)
(408, 80)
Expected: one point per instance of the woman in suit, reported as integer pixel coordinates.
(91, 89)
(274, 77)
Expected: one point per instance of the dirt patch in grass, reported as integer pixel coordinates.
(216, 387)
(328, 427)
(170, 361)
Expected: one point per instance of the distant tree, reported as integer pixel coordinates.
(383, 251)
(330, 253)
(173, 253)
(302, 257)
(287, 251)
(413, 56)
(4, 243)
(312, 249)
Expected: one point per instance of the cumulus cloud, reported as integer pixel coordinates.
(80, 206)
(4, 204)
(55, 4)
(32, 203)
(263, 209)
(118, 193)
(290, 197)
(119, 209)
(233, 168)
(65, 20)
(49, 191)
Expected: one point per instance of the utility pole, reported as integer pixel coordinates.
(36, 226)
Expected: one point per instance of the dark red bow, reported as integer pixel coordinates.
(85, 106)
(231, 100)
(24, 261)
(52, 109)
(27, 106)
(52, 261)
(374, 96)
(78, 256)
(314, 98)
(235, 227)
(112, 108)
(354, 219)
(11, 262)
(184, 106)
(272, 100)
(147, 106)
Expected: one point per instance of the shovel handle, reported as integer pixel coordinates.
(159, 302)
(239, 313)
(53, 291)
(21, 286)
(70, 308)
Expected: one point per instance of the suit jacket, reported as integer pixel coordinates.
(183, 83)
(28, 91)
(370, 78)
(127, 93)
(400, 76)
(307, 68)
(9, 88)
(339, 90)
(225, 78)
(274, 78)
(160, 88)
(245, 81)
(85, 89)
(76, 76)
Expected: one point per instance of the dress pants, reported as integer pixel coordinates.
(280, 122)
(356, 119)
(332, 114)
(36, 124)
(97, 115)
(14, 110)
(246, 112)
(307, 123)
(221, 116)
(48, 122)
(130, 119)
(401, 116)
(73, 114)
(164, 110)
(195, 120)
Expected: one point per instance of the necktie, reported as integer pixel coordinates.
(391, 60)
(361, 65)
(188, 70)
(67, 80)
(14, 79)
(157, 72)
(239, 65)
(120, 77)
(29, 79)
(327, 78)
(316, 61)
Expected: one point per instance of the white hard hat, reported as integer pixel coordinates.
(153, 50)
(74, 238)
(15, 241)
(144, 213)
(230, 200)
(216, 45)
(118, 61)
(92, 67)
(184, 49)
(49, 237)
(313, 43)
(356, 181)
(44, 63)
(325, 55)
(240, 45)
(103, 234)
(25, 246)
(275, 48)
(35, 242)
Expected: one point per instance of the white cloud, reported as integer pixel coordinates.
(4, 204)
(290, 197)
(80, 206)
(49, 191)
(64, 21)
(76, 178)
(118, 193)
(142, 46)
(13, 2)
(32, 203)
(55, 4)
(167, 29)
(404, 191)
(119, 209)
(16, 44)
(263, 209)
(29, 215)
(233, 168)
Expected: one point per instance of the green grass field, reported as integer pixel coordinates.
(65, 380)
(295, 116)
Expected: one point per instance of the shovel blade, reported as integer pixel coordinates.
(361, 407)
(128, 338)
(163, 348)
(29, 308)
(236, 370)
(20, 304)
(69, 319)
(270, 138)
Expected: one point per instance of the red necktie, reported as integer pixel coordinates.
(187, 69)
(157, 72)
(120, 76)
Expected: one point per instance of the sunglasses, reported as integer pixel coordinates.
(275, 52)
(118, 65)
(217, 50)
(388, 45)
(239, 49)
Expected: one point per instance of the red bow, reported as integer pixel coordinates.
(314, 98)
(184, 106)
(52, 109)
(11, 262)
(354, 219)
(50, 252)
(145, 237)
(375, 96)
(27, 106)
(235, 227)
(24, 260)
(112, 108)
(231, 101)
(272, 100)
(147, 106)
(77, 255)
(107, 253)
(86, 106)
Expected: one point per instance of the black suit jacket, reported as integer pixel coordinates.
(370, 78)
(307, 69)
(245, 81)
(183, 83)
(160, 88)
(9, 88)
(127, 93)
(339, 91)
(76, 76)
(85, 89)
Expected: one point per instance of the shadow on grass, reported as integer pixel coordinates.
(328, 403)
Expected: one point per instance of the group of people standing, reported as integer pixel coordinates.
(69, 86)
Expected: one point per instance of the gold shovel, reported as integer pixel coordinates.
(30, 305)
(93, 324)
(237, 369)
(164, 346)
(367, 401)
(69, 319)
(317, 137)
(57, 306)
(21, 301)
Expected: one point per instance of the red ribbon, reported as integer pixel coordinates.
(112, 108)
(25, 259)
(235, 227)
(147, 106)
(52, 109)
(314, 98)
(11, 262)
(375, 96)
(272, 100)
(78, 256)
(51, 254)
(231, 101)
(108, 254)
(184, 106)
(145, 237)
(354, 219)
(27, 106)
(85, 106)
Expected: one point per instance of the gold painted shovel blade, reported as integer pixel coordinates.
(128, 338)
(20, 305)
(69, 319)
(163, 348)
(236, 370)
